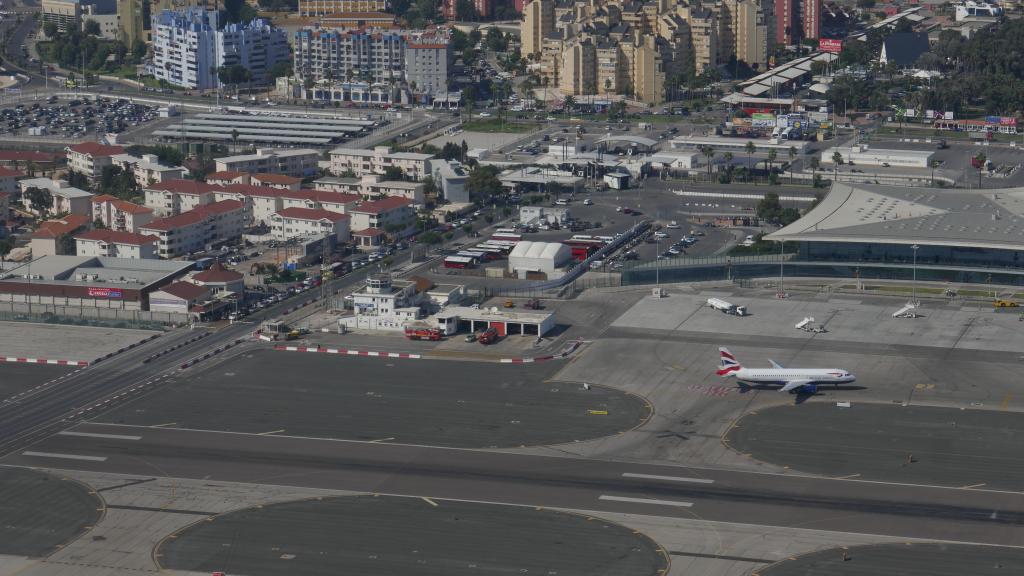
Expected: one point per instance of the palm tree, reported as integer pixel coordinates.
(728, 161)
(815, 164)
(570, 103)
(933, 165)
(837, 159)
(750, 149)
(792, 156)
(772, 155)
(708, 151)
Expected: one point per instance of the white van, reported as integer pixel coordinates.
(562, 202)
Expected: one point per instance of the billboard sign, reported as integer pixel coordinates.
(830, 45)
(762, 120)
(105, 293)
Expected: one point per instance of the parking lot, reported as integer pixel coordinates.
(74, 118)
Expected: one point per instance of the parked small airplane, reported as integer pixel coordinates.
(796, 380)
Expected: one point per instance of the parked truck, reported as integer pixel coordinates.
(727, 307)
(422, 333)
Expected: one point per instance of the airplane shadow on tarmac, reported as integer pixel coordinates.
(801, 397)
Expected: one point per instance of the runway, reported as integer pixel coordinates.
(913, 511)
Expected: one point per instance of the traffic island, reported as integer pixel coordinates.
(384, 536)
(42, 512)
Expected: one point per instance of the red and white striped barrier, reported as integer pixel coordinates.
(14, 359)
(347, 352)
(526, 360)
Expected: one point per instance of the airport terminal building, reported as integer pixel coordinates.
(885, 232)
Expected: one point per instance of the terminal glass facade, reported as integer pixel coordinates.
(870, 253)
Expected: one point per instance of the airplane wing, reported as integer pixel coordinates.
(775, 364)
(794, 384)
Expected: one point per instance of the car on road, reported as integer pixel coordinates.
(588, 202)
(660, 234)
(673, 225)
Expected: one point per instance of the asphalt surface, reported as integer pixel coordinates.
(385, 536)
(40, 512)
(918, 559)
(16, 378)
(433, 402)
(913, 444)
(779, 501)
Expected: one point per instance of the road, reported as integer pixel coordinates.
(784, 501)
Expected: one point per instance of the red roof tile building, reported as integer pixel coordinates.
(118, 214)
(89, 158)
(48, 239)
(197, 229)
(309, 223)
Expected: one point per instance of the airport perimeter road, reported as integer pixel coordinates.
(909, 511)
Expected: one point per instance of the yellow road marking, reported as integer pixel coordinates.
(598, 412)
(1006, 401)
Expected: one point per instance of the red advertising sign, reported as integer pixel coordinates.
(830, 45)
(105, 293)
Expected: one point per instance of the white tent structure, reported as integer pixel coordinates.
(538, 257)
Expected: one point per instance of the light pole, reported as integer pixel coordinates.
(657, 264)
(782, 264)
(914, 283)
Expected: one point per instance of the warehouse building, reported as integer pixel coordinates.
(864, 155)
(89, 281)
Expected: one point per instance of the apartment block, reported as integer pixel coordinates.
(89, 158)
(115, 244)
(388, 214)
(119, 215)
(197, 229)
(188, 48)
(364, 162)
(297, 162)
(329, 7)
(372, 186)
(310, 222)
(66, 198)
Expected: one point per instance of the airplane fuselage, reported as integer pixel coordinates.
(783, 376)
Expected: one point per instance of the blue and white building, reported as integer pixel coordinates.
(188, 48)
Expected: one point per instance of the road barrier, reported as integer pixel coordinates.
(347, 352)
(175, 347)
(127, 348)
(14, 359)
(211, 353)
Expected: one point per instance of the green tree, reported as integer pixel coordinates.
(769, 207)
(980, 159)
(280, 70)
(750, 148)
(709, 153)
(39, 199)
(92, 27)
(50, 29)
(5, 248)
(770, 162)
(837, 160)
(792, 157)
(394, 173)
(483, 183)
(815, 164)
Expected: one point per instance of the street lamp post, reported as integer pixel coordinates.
(782, 272)
(914, 283)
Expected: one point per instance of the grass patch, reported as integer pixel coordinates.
(494, 125)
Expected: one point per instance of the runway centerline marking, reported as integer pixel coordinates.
(645, 501)
(97, 435)
(65, 456)
(669, 478)
(271, 432)
(381, 440)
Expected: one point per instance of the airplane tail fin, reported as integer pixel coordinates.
(727, 363)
